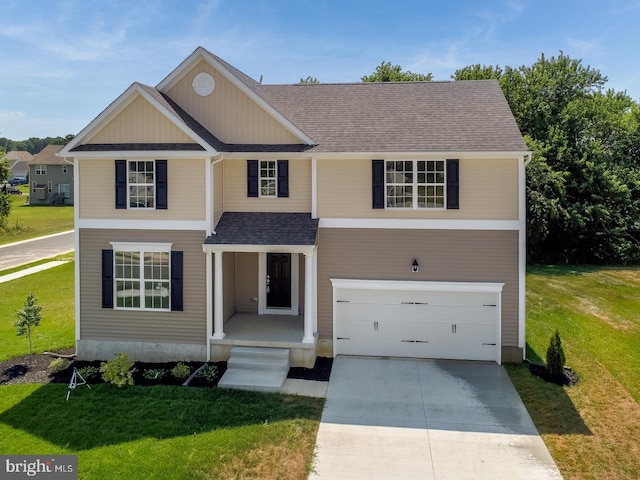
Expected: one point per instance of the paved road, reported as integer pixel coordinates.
(16, 254)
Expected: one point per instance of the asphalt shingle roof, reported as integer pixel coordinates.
(264, 228)
(47, 156)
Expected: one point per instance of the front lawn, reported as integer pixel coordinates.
(29, 221)
(54, 289)
(591, 429)
(163, 432)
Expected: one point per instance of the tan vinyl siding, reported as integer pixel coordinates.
(229, 284)
(247, 282)
(443, 255)
(140, 122)
(235, 189)
(228, 113)
(186, 195)
(97, 323)
(488, 190)
(218, 202)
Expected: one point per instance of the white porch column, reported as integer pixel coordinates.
(315, 291)
(309, 299)
(218, 320)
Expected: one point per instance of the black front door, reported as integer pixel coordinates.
(278, 280)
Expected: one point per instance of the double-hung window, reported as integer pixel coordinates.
(415, 184)
(41, 169)
(268, 178)
(142, 276)
(142, 184)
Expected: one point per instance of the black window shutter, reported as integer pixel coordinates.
(161, 184)
(107, 278)
(176, 282)
(252, 178)
(453, 184)
(121, 184)
(283, 178)
(377, 183)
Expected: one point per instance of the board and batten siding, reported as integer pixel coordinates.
(228, 284)
(235, 189)
(140, 122)
(228, 112)
(488, 191)
(97, 323)
(186, 192)
(443, 255)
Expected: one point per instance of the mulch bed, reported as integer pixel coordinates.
(568, 378)
(35, 369)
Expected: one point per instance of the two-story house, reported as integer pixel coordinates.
(50, 178)
(368, 218)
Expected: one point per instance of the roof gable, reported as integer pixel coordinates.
(234, 103)
(48, 156)
(159, 102)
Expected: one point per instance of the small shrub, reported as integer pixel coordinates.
(181, 371)
(555, 356)
(58, 365)
(154, 373)
(118, 371)
(208, 373)
(89, 372)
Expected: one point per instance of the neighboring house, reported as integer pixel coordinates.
(19, 165)
(50, 178)
(367, 219)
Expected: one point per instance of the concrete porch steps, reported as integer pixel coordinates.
(256, 368)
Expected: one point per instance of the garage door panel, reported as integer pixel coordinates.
(418, 323)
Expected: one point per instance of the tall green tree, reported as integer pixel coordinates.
(385, 72)
(583, 195)
(309, 79)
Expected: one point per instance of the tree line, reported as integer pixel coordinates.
(32, 145)
(583, 181)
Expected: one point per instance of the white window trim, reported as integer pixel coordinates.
(275, 194)
(155, 190)
(415, 185)
(65, 168)
(41, 170)
(142, 248)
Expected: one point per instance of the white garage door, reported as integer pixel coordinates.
(452, 320)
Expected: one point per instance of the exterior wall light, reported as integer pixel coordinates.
(414, 266)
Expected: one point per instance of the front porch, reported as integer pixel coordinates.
(261, 283)
(273, 331)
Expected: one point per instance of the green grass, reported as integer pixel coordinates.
(163, 432)
(591, 429)
(54, 289)
(29, 221)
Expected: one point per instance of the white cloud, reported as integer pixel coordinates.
(11, 114)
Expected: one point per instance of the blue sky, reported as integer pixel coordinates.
(63, 62)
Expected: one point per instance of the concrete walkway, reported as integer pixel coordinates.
(30, 270)
(413, 419)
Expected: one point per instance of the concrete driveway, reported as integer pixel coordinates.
(425, 419)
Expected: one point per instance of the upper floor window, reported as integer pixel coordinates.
(41, 169)
(142, 185)
(415, 184)
(65, 168)
(268, 178)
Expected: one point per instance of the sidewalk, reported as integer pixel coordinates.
(29, 271)
(35, 249)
